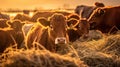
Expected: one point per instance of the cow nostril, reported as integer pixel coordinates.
(60, 41)
(86, 36)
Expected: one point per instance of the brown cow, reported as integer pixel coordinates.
(26, 28)
(6, 40)
(17, 32)
(3, 23)
(46, 14)
(22, 17)
(80, 28)
(27, 12)
(50, 33)
(105, 18)
(85, 11)
(4, 16)
(11, 35)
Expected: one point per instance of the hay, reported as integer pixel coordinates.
(93, 35)
(112, 45)
(98, 60)
(118, 32)
(93, 58)
(100, 53)
(38, 58)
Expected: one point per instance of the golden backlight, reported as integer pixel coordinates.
(30, 34)
(51, 4)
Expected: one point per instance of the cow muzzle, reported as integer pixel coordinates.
(86, 36)
(60, 40)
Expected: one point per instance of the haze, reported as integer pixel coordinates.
(51, 4)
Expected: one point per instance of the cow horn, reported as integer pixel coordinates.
(81, 12)
(71, 24)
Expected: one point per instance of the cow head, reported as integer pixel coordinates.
(57, 27)
(81, 25)
(16, 25)
(3, 23)
(95, 17)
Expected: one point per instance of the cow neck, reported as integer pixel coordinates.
(45, 35)
(73, 35)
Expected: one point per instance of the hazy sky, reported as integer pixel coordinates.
(31, 4)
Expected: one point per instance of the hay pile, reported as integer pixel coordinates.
(38, 58)
(94, 58)
(118, 32)
(93, 35)
(98, 59)
(100, 53)
(87, 47)
(112, 45)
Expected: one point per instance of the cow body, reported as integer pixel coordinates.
(86, 10)
(6, 40)
(46, 15)
(105, 18)
(26, 28)
(54, 33)
(9, 36)
(22, 17)
(16, 31)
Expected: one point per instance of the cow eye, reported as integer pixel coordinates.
(79, 27)
(66, 26)
(51, 26)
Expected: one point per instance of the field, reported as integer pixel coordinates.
(99, 50)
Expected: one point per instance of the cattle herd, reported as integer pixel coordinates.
(56, 27)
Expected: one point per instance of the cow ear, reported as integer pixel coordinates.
(43, 21)
(72, 22)
(76, 16)
(23, 23)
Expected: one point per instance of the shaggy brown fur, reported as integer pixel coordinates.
(46, 14)
(56, 28)
(105, 19)
(22, 17)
